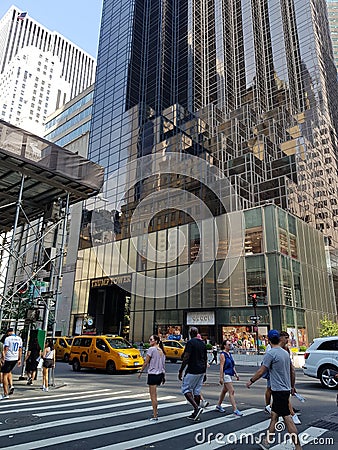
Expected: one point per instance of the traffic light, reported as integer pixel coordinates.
(254, 300)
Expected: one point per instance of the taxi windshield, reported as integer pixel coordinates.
(118, 343)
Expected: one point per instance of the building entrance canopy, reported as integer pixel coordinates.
(50, 172)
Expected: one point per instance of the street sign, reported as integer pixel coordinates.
(255, 317)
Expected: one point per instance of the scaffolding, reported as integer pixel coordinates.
(39, 181)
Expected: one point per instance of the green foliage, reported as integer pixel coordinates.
(302, 348)
(146, 345)
(209, 346)
(328, 328)
(135, 345)
(262, 348)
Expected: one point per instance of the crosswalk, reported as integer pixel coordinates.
(118, 420)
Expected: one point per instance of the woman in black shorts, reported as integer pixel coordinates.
(155, 360)
(48, 357)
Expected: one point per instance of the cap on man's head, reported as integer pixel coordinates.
(10, 330)
(273, 334)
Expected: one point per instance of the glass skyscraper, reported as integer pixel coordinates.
(249, 87)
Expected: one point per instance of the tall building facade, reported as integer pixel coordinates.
(249, 88)
(40, 71)
(332, 8)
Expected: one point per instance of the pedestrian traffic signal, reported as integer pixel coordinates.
(254, 300)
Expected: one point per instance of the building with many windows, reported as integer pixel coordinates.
(332, 8)
(40, 71)
(235, 105)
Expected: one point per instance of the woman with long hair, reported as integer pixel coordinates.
(48, 357)
(155, 360)
(227, 371)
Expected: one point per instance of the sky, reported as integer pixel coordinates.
(77, 20)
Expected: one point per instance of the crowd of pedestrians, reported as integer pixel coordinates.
(276, 367)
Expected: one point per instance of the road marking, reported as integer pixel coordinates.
(73, 420)
(205, 443)
(306, 436)
(54, 398)
(127, 444)
(19, 410)
(177, 432)
(109, 405)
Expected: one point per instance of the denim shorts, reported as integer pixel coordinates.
(192, 383)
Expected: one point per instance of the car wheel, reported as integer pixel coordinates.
(110, 367)
(66, 358)
(76, 365)
(327, 379)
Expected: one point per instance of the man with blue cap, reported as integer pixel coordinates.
(278, 362)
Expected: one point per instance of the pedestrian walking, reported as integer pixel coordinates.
(155, 360)
(195, 363)
(48, 357)
(214, 350)
(284, 343)
(226, 372)
(32, 360)
(278, 362)
(12, 353)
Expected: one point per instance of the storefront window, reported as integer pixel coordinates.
(254, 241)
(283, 242)
(256, 278)
(293, 246)
(165, 331)
(243, 338)
(287, 280)
(297, 284)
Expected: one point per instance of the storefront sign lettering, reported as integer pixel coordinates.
(108, 281)
(201, 318)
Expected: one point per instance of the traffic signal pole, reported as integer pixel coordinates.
(254, 304)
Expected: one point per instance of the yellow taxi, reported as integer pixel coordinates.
(108, 352)
(62, 347)
(173, 350)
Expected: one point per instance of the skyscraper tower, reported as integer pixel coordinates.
(248, 87)
(40, 71)
(263, 87)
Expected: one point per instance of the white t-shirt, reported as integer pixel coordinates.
(12, 343)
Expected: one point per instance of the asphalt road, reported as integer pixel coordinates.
(93, 410)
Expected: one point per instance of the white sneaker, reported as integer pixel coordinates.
(45, 389)
(4, 397)
(204, 404)
(268, 409)
(296, 420)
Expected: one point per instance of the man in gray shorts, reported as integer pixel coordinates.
(278, 362)
(195, 360)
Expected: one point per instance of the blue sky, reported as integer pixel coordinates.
(77, 20)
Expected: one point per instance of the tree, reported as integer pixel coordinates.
(328, 328)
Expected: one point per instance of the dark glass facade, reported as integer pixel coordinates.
(247, 86)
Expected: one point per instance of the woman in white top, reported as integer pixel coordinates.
(155, 360)
(48, 357)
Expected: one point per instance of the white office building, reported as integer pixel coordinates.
(40, 71)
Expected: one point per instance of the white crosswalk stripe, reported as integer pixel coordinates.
(112, 429)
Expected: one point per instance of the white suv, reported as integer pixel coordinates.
(321, 361)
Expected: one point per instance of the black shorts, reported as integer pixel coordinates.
(8, 366)
(48, 363)
(155, 380)
(280, 403)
